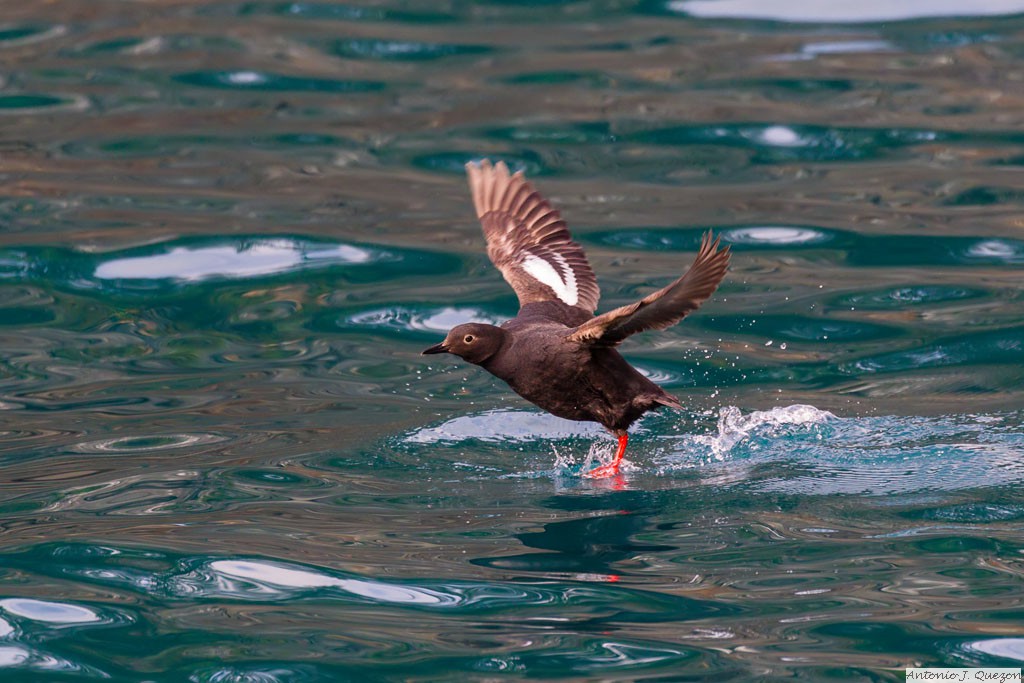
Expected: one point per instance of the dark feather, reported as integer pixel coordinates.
(526, 237)
(662, 308)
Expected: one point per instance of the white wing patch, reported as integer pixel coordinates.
(564, 287)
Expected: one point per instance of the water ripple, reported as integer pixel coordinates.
(774, 143)
(800, 328)
(418, 319)
(274, 581)
(243, 260)
(368, 48)
(776, 236)
(266, 81)
(250, 580)
(999, 346)
(848, 247)
(188, 261)
(909, 295)
(24, 657)
(146, 444)
(24, 104)
(263, 672)
(871, 11)
(1005, 648)
(503, 426)
(319, 11)
(23, 34)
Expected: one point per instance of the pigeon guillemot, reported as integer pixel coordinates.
(555, 353)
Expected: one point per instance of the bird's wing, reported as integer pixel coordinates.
(662, 308)
(528, 241)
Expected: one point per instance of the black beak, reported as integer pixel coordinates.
(436, 348)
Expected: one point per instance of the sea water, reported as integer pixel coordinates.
(227, 229)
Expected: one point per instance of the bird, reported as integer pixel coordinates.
(556, 353)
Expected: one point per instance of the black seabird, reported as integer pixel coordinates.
(555, 353)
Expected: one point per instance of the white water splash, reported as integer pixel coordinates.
(599, 453)
(734, 427)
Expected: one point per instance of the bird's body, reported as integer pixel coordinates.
(576, 380)
(555, 353)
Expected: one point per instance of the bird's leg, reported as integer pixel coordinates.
(612, 468)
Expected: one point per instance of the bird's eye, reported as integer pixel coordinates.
(468, 339)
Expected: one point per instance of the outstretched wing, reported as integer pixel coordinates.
(528, 241)
(662, 308)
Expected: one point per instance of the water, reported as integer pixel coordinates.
(227, 230)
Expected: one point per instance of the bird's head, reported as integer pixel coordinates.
(475, 342)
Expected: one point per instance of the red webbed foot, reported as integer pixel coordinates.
(612, 468)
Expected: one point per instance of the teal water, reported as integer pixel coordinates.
(228, 228)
